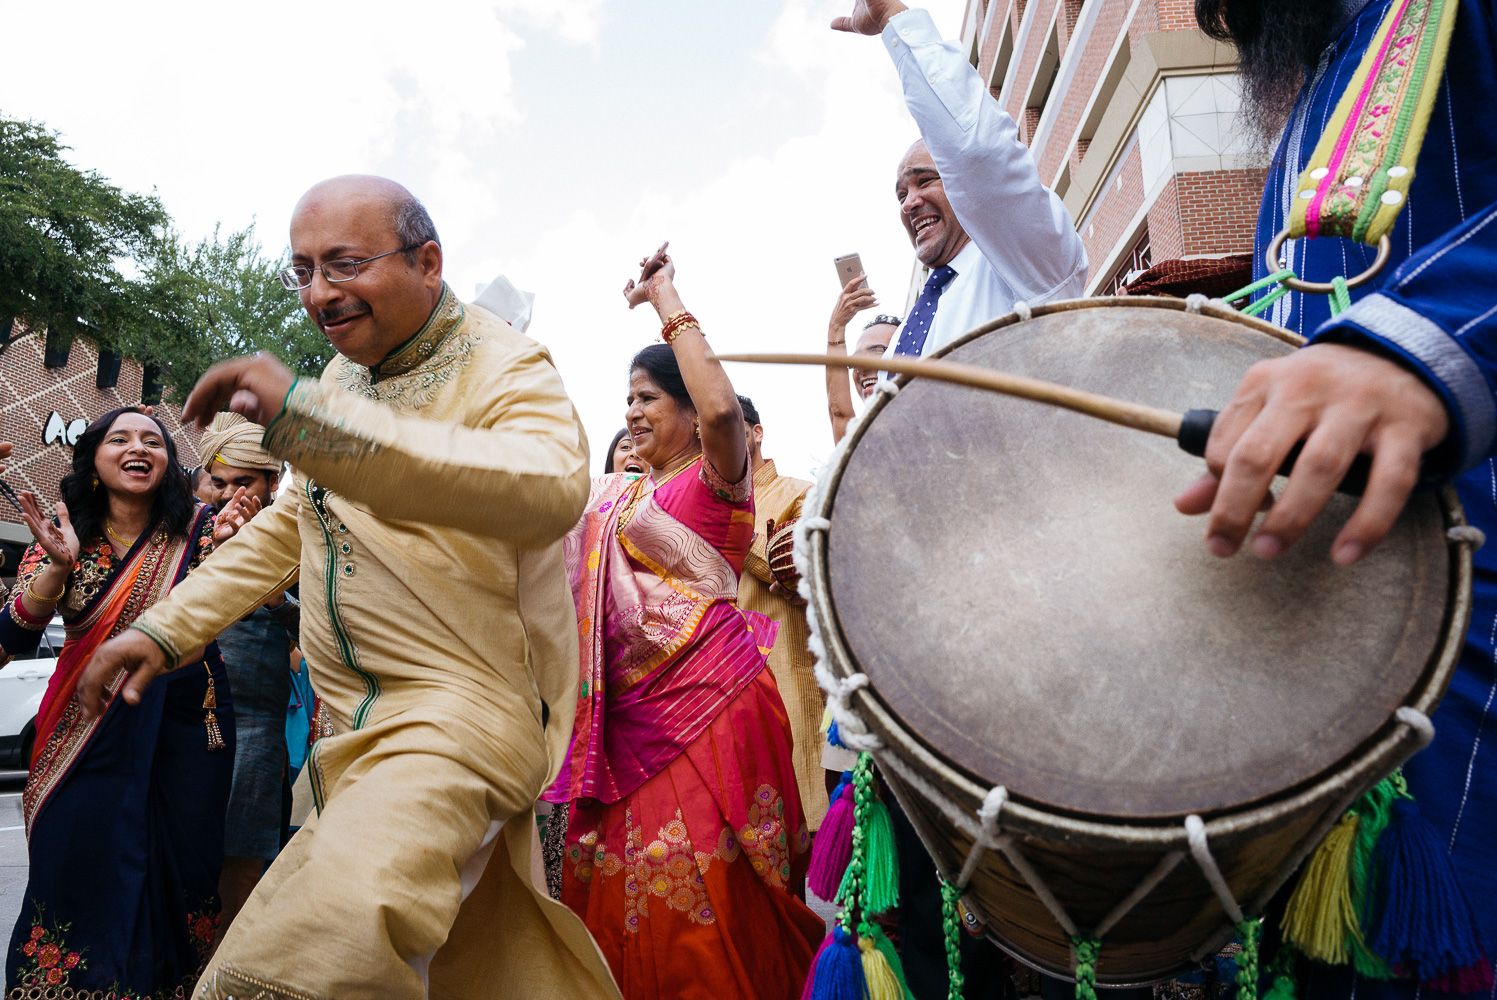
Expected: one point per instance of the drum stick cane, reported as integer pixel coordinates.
(1191, 430)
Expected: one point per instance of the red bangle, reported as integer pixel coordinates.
(26, 617)
(675, 323)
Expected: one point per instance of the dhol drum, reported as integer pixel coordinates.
(1098, 728)
(782, 555)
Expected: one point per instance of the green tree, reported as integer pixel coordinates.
(63, 235)
(220, 298)
(82, 257)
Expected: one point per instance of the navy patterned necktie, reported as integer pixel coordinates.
(917, 326)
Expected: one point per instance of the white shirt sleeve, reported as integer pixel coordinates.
(1021, 226)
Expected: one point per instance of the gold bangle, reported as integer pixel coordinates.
(836, 343)
(38, 598)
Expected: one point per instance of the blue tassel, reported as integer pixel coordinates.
(837, 973)
(1425, 928)
(833, 738)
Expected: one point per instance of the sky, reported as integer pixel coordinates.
(553, 141)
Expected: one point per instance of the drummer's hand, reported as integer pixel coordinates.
(1341, 401)
(131, 650)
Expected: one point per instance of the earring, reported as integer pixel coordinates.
(697, 430)
(96, 481)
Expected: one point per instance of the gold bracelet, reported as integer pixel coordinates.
(38, 598)
(836, 343)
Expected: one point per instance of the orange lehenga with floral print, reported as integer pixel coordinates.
(686, 832)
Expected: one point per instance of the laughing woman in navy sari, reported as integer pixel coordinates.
(125, 815)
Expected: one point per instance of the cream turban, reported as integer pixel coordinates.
(235, 442)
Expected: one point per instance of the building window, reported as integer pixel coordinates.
(1138, 261)
(109, 369)
(58, 346)
(150, 387)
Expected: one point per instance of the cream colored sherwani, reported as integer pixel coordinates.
(424, 522)
(778, 498)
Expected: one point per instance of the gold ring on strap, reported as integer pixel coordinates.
(1271, 259)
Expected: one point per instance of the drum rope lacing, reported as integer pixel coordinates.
(986, 833)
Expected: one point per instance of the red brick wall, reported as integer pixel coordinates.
(1118, 205)
(29, 392)
(1166, 239)
(1028, 125)
(1029, 58)
(1218, 211)
(1090, 65)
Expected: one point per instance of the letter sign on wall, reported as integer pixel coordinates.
(57, 431)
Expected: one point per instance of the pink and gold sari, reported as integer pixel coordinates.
(686, 832)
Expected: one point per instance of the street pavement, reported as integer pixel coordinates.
(12, 851)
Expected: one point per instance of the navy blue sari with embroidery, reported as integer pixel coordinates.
(124, 815)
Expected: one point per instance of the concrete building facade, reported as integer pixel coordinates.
(48, 394)
(1131, 113)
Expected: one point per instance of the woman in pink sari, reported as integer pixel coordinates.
(685, 834)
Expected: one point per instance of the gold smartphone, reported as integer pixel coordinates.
(848, 268)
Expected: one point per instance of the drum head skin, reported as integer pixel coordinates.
(1022, 594)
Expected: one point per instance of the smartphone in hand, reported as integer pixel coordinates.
(848, 268)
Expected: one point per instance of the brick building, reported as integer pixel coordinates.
(48, 393)
(1131, 114)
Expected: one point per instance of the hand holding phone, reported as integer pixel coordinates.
(848, 268)
(856, 296)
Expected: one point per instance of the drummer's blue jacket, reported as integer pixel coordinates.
(1435, 309)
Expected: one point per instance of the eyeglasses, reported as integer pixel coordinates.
(299, 276)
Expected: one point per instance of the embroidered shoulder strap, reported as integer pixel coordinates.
(1358, 178)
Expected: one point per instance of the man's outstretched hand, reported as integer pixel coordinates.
(132, 651)
(1341, 402)
(868, 16)
(254, 386)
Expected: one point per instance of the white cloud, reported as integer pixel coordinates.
(767, 149)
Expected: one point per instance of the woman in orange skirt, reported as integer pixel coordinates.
(685, 833)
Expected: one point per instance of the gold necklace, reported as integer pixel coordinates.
(126, 542)
(637, 492)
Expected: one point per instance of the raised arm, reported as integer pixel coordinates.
(856, 296)
(1021, 226)
(718, 414)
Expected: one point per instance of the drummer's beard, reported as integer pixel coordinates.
(1278, 42)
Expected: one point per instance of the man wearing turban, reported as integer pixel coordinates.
(256, 651)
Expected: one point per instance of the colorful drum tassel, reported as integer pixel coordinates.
(1320, 916)
(891, 958)
(832, 849)
(881, 884)
(878, 974)
(1423, 925)
(837, 970)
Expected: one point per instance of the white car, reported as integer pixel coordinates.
(23, 681)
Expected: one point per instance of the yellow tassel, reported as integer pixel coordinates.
(1320, 913)
(826, 719)
(882, 983)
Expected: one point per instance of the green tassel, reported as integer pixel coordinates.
(1284, 986)
(1249, 932)
(881, 885)
(1086, 966)
(1373, 810)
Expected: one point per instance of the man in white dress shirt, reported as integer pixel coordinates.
(970, 194)
(972, 202)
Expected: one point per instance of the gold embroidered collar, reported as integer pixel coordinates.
(765, 475)
(444, 319)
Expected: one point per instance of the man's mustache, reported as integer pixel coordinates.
(326, 316)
